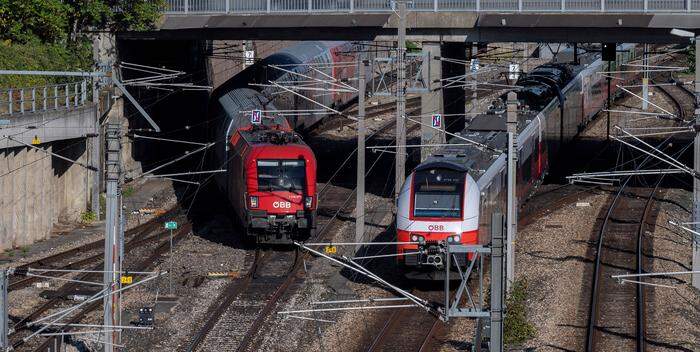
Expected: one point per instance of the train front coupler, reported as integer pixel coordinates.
(431, 253)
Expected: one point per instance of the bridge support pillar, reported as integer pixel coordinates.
(454, 97)
(431, 101)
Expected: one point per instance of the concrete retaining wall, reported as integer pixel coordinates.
(39, 191)
(228, 57)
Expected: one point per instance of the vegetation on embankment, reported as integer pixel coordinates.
(516, 327)
(56, 34)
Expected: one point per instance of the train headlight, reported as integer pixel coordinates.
(456, 238)
(253, 201)
(417, 238)
(308, 201)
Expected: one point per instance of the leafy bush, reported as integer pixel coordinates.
(51, 34)
(412, 47)
(35, 55)
(87, 217)
(516, 328)
(55, 21)
(128, 192)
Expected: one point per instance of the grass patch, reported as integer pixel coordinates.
(87, 217)
(412, 47)
(128, 192)
(516, 328)
(103, 204)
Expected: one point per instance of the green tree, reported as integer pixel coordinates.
(58, 20)
(86, 14)
(20, 20)
(136, 15)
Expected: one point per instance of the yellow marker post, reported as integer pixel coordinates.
(331, 249)
(127, 280)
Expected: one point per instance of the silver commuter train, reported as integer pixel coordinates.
(453, 193)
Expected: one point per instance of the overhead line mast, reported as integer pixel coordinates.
(400, 102)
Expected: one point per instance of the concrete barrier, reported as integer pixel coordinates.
(38, 191)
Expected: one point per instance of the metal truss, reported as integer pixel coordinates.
(473, 307)
(417, 70)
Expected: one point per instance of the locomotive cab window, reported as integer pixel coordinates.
(438, 193)
(281, 175)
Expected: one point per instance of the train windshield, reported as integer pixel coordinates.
(281, 175)
(438, 193)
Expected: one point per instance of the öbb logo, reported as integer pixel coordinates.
(436, 227)
(283, 205)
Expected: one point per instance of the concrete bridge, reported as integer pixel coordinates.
(642, 21)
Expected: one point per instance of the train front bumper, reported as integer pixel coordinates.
(280, 227)
(430, 252)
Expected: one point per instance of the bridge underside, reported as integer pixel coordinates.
(449, 26)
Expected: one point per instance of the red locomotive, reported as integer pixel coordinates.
(272, 182)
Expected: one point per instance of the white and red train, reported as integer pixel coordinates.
(453, 193)
(271, 173)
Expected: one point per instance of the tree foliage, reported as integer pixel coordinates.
(691, 58)
(35, 55)
(54, 34)
(66, 20)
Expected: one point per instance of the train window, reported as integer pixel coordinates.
(281, 175)
(438, 193)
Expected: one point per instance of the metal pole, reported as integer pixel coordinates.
(512, 128)
(607, 104)
(696, 165)
(95, 144)
(401, 101)
(360, 199)
(496, 338)
(113, 175)
(475, 95)
(4, 342)
(170, 271)
(645, 79)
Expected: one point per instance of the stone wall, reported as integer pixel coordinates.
(227, 57)
(39, 191)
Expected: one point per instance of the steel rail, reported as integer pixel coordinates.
(236, 288)
(676, 103)
(143, 265)
(639, 306)
(50, 261)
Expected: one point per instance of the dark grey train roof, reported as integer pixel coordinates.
(486, 129)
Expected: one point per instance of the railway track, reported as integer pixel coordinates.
(148, 262)
(620, 245)
(424, 330)
(371, 111)
(620, 249)
(137, 239)
(684, 106)
(235, 319)
(83, 256)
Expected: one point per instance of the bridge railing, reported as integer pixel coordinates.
(36, 99)
(346, 6)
